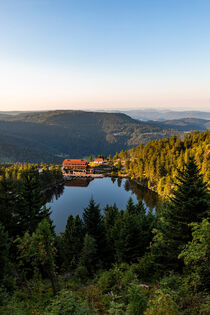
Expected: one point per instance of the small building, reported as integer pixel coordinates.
(98, 160)
(77, 167)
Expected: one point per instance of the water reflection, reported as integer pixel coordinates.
(54, 193)
(74, 196)
(79, 182)
(150, 198)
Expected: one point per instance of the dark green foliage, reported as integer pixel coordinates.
(132, 233)
(94, 227)
(7, 280)
(111, 213)
(88, 262)
(137, 300)
(21, 195)
(130, 206)
(175, 264)
(4, 252)
(30, 208)
(72, 240)
(39, 250)
(8, 204)
(190, 203)
(65, 303)
(196, 255)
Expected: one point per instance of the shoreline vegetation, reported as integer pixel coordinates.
(155, 165)
(129, 261)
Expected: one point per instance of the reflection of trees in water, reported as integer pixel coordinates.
(149, 197)
(127, 185)
(119, 181)
(113, 179)
(55, 192)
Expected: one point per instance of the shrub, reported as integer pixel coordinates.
(161, 303)
(65, 304)
(137, 300)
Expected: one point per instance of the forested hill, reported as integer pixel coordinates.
(50, 136)
(184, 124)
(156, 164)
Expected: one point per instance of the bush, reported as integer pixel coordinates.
(137, 300)
(161, 303)
(65, 304)
(117, 279)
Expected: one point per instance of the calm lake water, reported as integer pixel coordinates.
(75, 195)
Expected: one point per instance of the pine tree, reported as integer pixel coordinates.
(130, 208)
(8, 205)
(73, 241)
(190, 203)
(31, 209)
(111, 215)
(132, 233)
(94, 227)
(88, 262)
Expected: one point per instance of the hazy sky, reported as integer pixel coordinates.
(111, 54)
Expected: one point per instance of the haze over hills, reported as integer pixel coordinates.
(154, 114)
(52, 135)
(184, 124)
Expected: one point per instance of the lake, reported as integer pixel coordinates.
(75, 195)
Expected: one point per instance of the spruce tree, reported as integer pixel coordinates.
(94, 227)
(130, 208)
(73, 241)
(88, 262)
(190, 203)
(31, 209)
(8, 205)
(111, 215)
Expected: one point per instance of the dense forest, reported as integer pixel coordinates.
(106, 262)
(156, 165)
(51, 136)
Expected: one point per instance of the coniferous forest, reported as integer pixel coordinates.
(110, 261)
(156, 164)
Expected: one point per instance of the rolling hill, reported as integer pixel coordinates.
(52, 135)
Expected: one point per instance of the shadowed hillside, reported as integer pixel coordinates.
(56, 134)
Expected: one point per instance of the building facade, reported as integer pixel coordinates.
(77, 167)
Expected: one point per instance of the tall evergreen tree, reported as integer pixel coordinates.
(88, 262)
(8, 205)
(130, 208)
(94, 227)
(31, 209)
(111, 215)
(190, 203)
(73, 241)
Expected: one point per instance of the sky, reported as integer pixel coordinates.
(104, 54)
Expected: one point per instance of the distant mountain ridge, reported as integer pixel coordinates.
(154, 114)
(51, 136)
(184, 124)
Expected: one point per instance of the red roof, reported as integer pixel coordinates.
(98, 160)
(75, 162)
